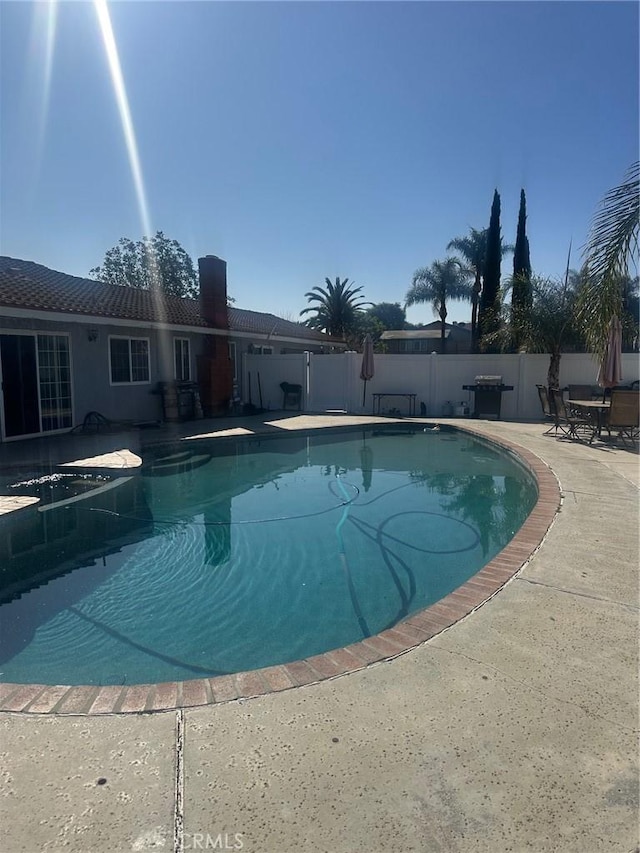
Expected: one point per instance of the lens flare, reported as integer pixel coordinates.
(117, 79)
(50, 37)
(41, 52)
(115, 69)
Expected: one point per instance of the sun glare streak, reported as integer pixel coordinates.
(117, 79)
(122, 100)
(50, 40)
(41, 53)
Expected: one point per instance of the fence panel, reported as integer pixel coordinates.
(332, 382)
(264, 373)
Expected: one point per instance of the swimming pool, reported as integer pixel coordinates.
(226, 556)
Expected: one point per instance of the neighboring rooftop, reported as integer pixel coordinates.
(432, 332)
(27, 285)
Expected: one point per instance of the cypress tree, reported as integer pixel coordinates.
(490, 300)
(521, 296)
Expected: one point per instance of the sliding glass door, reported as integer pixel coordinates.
(36, 383)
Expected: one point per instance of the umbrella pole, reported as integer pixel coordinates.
(364, 392)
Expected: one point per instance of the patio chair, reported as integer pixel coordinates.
(291, 394)
(547, 410)
(622, 417)
(571, 422)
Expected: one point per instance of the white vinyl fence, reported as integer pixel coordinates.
(332, 382)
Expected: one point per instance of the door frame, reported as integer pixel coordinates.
(31, 333)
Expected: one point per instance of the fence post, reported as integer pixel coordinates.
(433, 381)
(522, 390)
(350, 393)
(306, 370)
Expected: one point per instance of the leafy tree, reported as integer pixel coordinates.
(391, 315)
(521, 296)
(610, 252)
(490, 296)
(366, 323)
(521, 259)
(374, 321)
(335, 307)
(156, 263)
(549, 325)
(436, 284)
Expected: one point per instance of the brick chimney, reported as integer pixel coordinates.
(214, 365)
(213, 291)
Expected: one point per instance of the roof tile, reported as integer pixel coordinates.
(25, 284)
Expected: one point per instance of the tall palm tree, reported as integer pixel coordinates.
(610, 254)
(473, 249)
(436, 284)
(335, 307)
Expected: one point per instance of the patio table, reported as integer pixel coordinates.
(592, 408)
(410, 397)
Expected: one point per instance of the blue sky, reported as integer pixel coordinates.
(300, 140)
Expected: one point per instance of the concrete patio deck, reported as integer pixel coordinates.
(514, 730)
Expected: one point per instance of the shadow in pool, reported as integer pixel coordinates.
(42, 547)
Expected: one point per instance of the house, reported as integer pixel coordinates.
(427, 339)
(70, 346)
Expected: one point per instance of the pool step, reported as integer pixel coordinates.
(176, 464)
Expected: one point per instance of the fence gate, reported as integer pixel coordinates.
(328, 378)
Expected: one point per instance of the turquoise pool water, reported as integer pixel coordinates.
(226, 556)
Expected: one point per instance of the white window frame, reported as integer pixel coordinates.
(260, 350)
(233, 356)
(182, 341)
(130, 338)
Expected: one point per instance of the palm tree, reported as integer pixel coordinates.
(336, 308)
(610, 252)
(436, 284)
(473, 249)
(548, 325)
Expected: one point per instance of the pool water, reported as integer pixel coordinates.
(232, 555)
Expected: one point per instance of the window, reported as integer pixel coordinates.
(232, 357)
(182, 359)
(258, 350)
(129, 360)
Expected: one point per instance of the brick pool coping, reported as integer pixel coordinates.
(406, 635)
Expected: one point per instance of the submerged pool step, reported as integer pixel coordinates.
(176, 464)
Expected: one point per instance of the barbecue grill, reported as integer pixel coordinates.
(488, 396)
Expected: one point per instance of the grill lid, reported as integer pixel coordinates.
(488, 380)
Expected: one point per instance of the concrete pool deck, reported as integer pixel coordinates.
(514, 729)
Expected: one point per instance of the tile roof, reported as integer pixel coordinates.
(25, 284)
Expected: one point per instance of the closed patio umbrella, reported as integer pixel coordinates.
(366, 465)
(367, 369)
(610, 372)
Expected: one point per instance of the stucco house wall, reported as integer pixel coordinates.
(92, 317)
